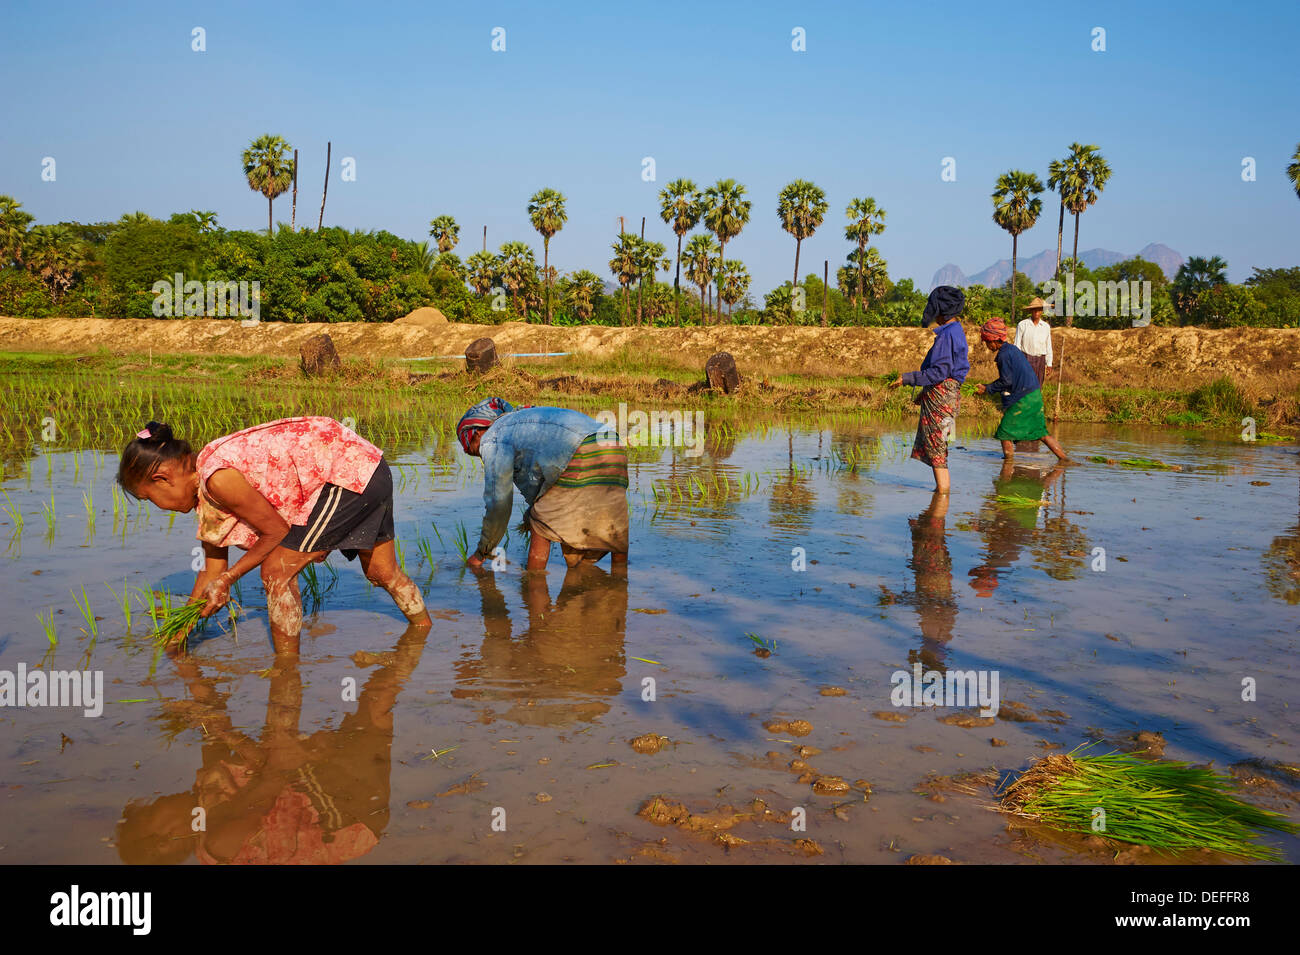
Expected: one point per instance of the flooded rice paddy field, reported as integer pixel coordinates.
(771, 685)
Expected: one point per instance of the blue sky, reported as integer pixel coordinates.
(439, 123)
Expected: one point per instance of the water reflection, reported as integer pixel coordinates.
(931, 597)
(1008, 521)
(562, 666)
(283, 798)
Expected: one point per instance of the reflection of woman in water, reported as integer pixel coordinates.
(932, 598)
(1008, 526)
(568, 661)
(318, 800)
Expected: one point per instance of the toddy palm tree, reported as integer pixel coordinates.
(1293, 172)
(1088, 172)
(872, 272)
(801, 207)
(1016, 207)
(624, 264)
(483, 268)
(1062, 179)
(734, 284)
(701, 256)
(1196, 276)
(648, 259)
(13, 230)
(583, 286)
(206, 219)
(445, 231)
(518, 270)
(546, 210)
(680, 206)
(56, 256)
(865, 220)
(269, 170)
(726, 212)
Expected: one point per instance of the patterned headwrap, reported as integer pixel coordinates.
(994, 330)
(480, 416)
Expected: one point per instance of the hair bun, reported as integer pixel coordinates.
(159, 432)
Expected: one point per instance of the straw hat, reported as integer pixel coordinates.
(1037, 303)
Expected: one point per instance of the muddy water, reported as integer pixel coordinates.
(504, 733)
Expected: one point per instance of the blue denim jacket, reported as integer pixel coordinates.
(529, 449)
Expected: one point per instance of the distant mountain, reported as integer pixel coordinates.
(1041, 267)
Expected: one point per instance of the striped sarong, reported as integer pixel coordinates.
(586, 508)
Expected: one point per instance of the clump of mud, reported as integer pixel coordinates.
(648, 742)
(791, 727)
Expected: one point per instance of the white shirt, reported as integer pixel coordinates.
(1034, 339)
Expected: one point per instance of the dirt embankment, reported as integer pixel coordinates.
(1267, 361)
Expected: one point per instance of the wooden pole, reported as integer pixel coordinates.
(293, 215)
(485, 238)
(324, 192)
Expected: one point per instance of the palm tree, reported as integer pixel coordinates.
(1293, 171)
(583, 286)
(872, 272)
(1062, 180)
(726, 212)
(1088, 172)
(865, 220)
(269, 169)
(646, 255)
(13, 230)
(445, 230)
(206, 219)
(701, 256)
(624, 264)
(55, 255)
(518, 270)
(425, 258)
(1016, 207)
(546, 210)
(733, 283)
(483, 268)
(1195, 276)
(136, 218)
(801, 208)
(680, 206)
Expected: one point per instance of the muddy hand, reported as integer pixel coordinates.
(217, 595)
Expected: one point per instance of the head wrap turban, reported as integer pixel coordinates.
(994, 330)
(480, 416)
(944, 302)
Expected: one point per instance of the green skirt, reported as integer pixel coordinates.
(1024, 420)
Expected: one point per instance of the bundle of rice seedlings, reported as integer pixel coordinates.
(1169, 806)
(172, 622)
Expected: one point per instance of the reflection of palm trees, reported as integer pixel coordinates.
(565, 664)
(932, 597)
(318, 799)
(1010, 524)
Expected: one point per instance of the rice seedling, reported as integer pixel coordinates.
(177, 622)
(438, 535)
(51, 518)
(88, 502)
(1019, 500)
(91, 629)
(123, 600)
(461, 541)
(1167, 805)
(47, 624)
(762, 648)
(401, 553)
(1147, 463)
(13, 513)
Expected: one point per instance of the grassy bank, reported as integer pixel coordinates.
(109, 393)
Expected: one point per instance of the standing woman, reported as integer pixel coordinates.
(287, 493)
(945, 367)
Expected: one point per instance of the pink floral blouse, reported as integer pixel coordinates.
(287, 462)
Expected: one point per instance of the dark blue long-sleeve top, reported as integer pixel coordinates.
(946, 358)
(1016, 377)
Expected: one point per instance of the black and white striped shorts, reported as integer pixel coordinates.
(348, 522)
